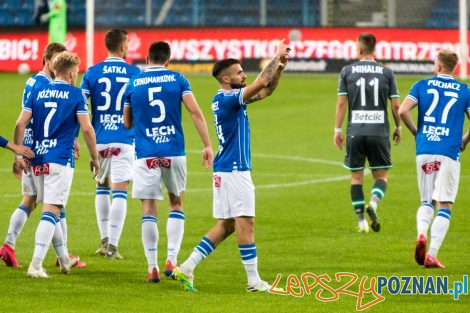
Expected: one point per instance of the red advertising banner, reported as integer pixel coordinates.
(25, 49)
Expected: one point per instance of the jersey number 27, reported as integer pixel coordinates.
(435, 100)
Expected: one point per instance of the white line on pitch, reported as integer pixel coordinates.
(266, 186)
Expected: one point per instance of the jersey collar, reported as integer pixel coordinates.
(42, 73)
(60, 81)
(445, 76)
(155, 68)
(114, 59)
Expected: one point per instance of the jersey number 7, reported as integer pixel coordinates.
(49, 116)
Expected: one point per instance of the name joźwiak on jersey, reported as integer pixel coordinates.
(105, 83)
(39, 81)
(155, 98)
(442, 102)
(368, 86)
(54, 109)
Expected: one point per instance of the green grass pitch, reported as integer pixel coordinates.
(304, 223)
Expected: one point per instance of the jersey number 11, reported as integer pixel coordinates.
(361, 82)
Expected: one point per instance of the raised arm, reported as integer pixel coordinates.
(269, 89)
(267, 74)
(341, 105)
(200, 123)
(405, 115)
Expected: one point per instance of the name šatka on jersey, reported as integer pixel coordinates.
(114, 69)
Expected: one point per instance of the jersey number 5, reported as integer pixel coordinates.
(157, 102)
(453, 98)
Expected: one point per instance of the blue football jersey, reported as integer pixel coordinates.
(442, 102)
(233, 131)
(40, 81)
(155, 99)
(105, 83)
(54, 110)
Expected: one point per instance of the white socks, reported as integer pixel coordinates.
(250, 261)
(103, 207)
(174, 231)
(424, 218)
(117, 216)
(201, 251)
(190, 264)
(17, 221)
(43, 238)
(150, 240)
(439, 230)
(60, 246)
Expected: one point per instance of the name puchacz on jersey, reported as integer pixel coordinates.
(105, 83)
(442, 102)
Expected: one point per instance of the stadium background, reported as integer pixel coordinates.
(305, 222)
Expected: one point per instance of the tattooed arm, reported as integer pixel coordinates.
(272, 85)
(264, 80)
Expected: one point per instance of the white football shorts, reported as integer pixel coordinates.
(28, 187)
(116, 162)
(438, 177)
(150, 174)
(233, 195)
(53, 182)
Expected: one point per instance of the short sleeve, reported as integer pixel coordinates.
(85, 85)
(28, 102)
(185, 87)
(467, 107)
(82, 104)
(128, 94)
(3, 142)
(233, 98)
(393, 87)
(342, 85)
(414, 93)
(27, 89)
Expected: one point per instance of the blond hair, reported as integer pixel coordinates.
(64, 61)
(448, 59)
